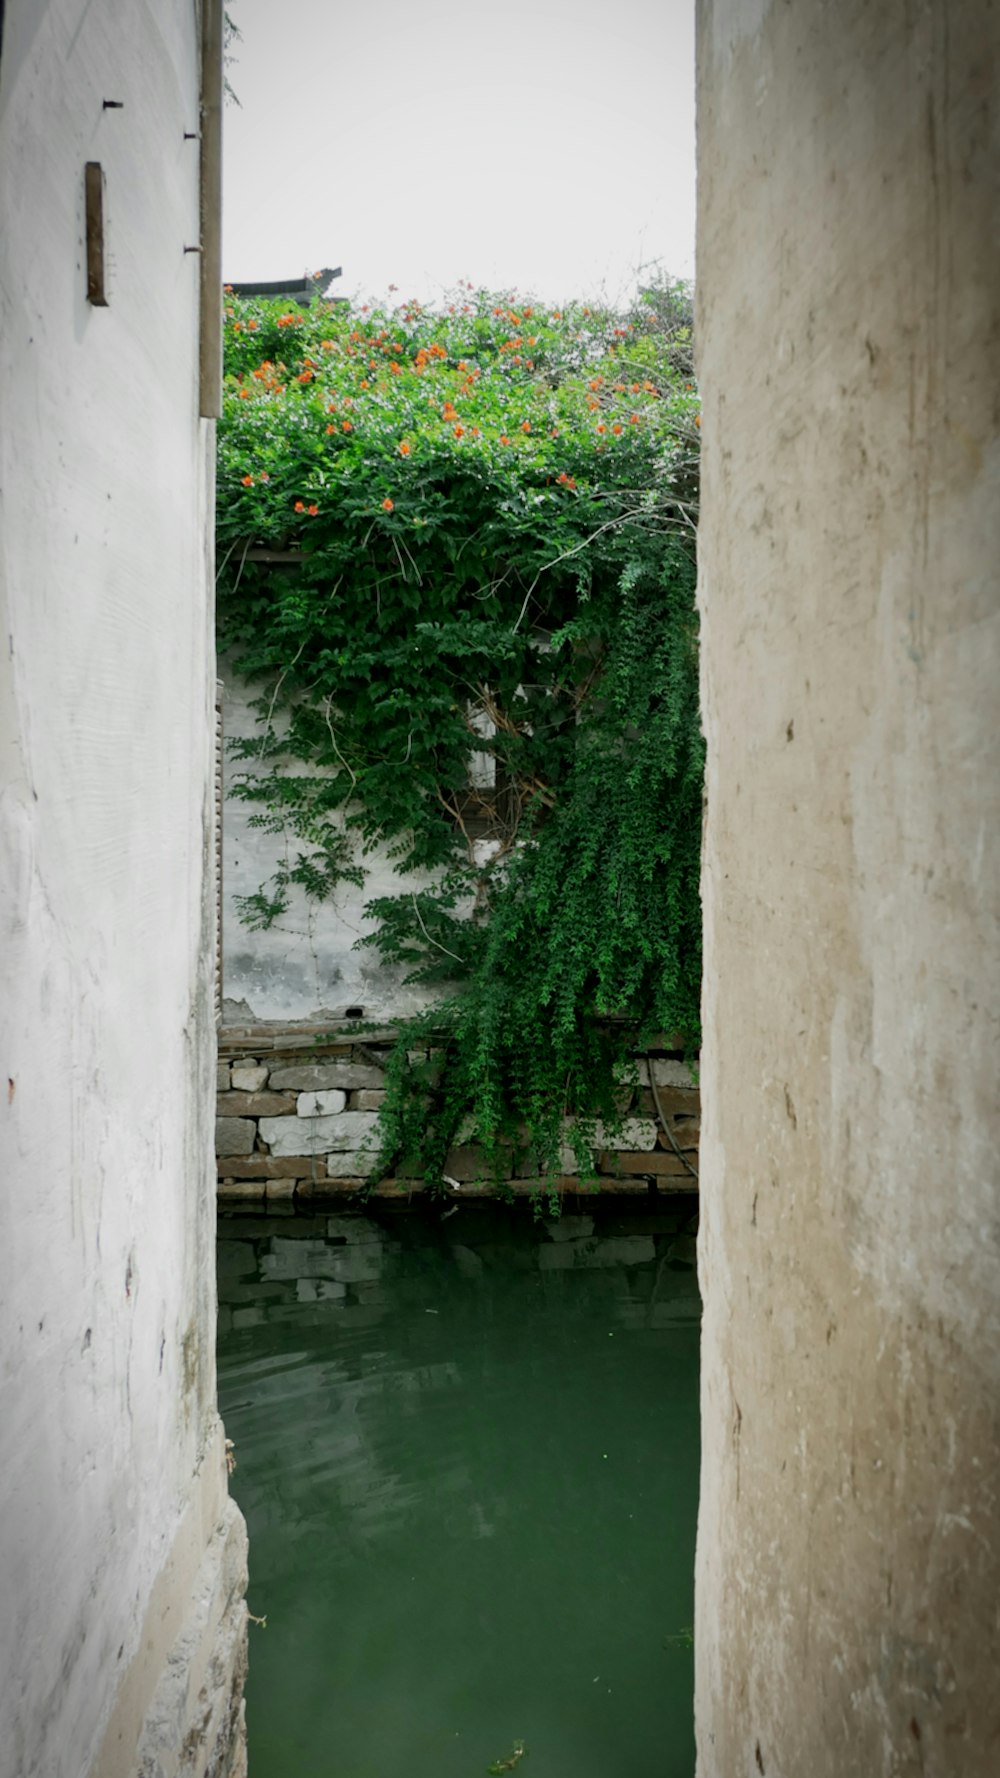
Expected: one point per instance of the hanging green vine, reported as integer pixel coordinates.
(464, 534)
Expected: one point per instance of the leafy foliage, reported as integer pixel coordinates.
(464, 534)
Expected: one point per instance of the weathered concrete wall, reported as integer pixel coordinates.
(306, 965)
(121, 1560)
(848, 1566)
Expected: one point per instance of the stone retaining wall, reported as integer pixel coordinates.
(298, 1121)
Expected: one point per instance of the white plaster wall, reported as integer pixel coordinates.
(305, 966)
(107, 1386)
(847, 1571)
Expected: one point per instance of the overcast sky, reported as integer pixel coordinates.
(546, 145)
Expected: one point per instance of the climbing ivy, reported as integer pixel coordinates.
(464, 535)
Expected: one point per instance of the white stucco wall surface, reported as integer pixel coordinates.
(306, 965)
(848, 1564)
(114, 1523)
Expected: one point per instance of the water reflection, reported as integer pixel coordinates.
(467, 1450)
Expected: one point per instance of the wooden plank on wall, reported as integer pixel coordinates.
(210, 345)
(219, 787)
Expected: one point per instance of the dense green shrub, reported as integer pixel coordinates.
(481, 518)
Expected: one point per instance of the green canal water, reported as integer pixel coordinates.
(467, 1451)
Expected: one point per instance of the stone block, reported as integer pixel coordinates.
(317, 1135)
(686, 1132)
(291, 1258)
(368, 1099)
(321, 1104)
(675, 1101)
(623, 1250)
(270, 1166)
(656, 1161)
(222, 1077)
(249, 1076)
(241, 1191)
(353, 1229)
(666, 1072)
(234, 1135)
(319, 1290)
(352, 1163)
(311, 1077)
(254, 1104)
(280, 1191)
(570, 1228)
(635, 1133)
(323, 1191)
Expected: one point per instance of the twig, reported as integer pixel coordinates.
(336, 749)
(430, 940)
(281, 679)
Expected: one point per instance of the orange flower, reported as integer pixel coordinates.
(554, 433)
(237, 327)
(387, 504)
(602, 427)
(331, 407)
(458, 431)
(634, 420)
(300, 506)
(557, 315)
(595, 382)
(228, 289)
(525, 425)
(448, 412)
(305, 376)
(697, 419)
(591, 403)
(635, 388)
(313, 510)
(247, 481)
(263, 476)
(330, 428)
(504, 440)
(365, 384)
(616, 429)
(244, 394)
(404, 449)
(345, 426)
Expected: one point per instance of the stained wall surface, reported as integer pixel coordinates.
(306, 965)
(848, 1570)
(116, 1538)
